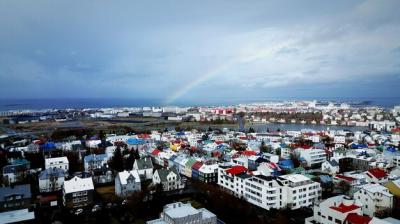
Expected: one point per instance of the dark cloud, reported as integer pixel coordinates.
(187, 49)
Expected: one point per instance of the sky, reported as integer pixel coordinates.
(199, 51)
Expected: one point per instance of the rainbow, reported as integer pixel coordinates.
(258, 54)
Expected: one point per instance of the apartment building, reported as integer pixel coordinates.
(292, 191)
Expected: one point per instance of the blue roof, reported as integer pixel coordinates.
(135, 141)
(286, 164)
(358, 146)
(325, 178)
(94, 157)
(48, 146)
(12, 168)
(24, 190)
(20, 162)
(55, 172)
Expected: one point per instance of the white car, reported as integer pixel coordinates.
(78, 211)
(96, 208)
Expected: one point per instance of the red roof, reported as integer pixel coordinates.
(344, 208)
(143, 136)
(235, 170)
(378, 173)
(219, 142)
(354, 218)
(47, 199)
(249, 153)
(350, 179)
(155, 152)
(197, 165)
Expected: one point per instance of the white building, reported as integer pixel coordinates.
(126, 183)
(335, 210)
(179, 212)
(330, 166)
(339, 139)
(78, 192)
(51, 179)
(312, 156)
(292, 191)
(375, 198)
(57, 162)
(93, 161)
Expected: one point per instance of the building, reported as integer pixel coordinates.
(78, 192)
(338, 209)
(313, 157)
(15, 197)
(51, 179)
(288, 191)
(93, 161)
(376, 199)
(126, 183)
(169, 178)
(57, 162)
(16, 171)
(376, 175)
(330, 166)
(144, 167)
(17, 216)
(208, 173)
(184, 213)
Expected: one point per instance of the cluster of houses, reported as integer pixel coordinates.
(272, 170)
(294, 112)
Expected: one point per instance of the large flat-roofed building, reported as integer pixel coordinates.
(176, 213)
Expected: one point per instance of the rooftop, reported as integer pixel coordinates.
(78, 184)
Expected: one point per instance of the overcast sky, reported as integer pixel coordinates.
(198, 50)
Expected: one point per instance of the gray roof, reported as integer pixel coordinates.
(333, 163)
(164, 172)
(144, 163)
(24, 190)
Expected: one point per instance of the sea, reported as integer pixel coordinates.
(80, 103)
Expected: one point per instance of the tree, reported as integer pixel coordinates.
(117, 160)
(251, 130)
(278, 151)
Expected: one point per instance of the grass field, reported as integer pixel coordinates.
(107, 193)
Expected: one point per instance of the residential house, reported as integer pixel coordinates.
(78, 192)
(144, 167)
(330, 166)
(208, 173)
(57, 162)
(338, 209)
(188, 167)
(195, 170)
(376, 199)
(376, 175)
(169, 178)
(16, 171)
(126, 183)
(15, 197)
(51, 179)
(93, 161)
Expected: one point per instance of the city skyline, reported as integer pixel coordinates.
(184, 51)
